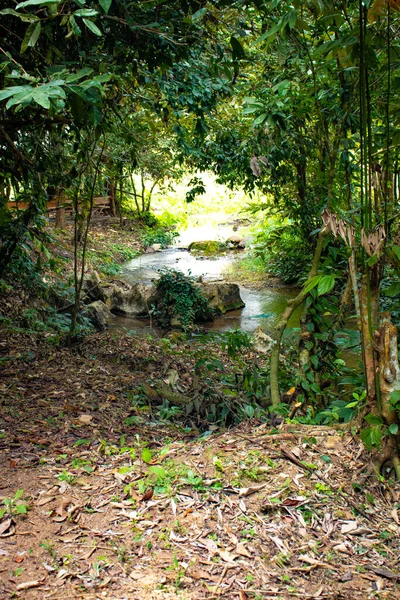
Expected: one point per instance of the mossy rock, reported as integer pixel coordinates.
(207, 247)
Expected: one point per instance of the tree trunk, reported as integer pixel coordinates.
(60, 211)
(283, 321)
(112, 192)
(389, 382)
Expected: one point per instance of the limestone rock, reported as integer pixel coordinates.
(93, 290)
(222, 296)
(135, 301)
(261, 342)
(98, 314)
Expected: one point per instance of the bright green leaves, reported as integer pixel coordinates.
(146, 455)
(287, 22)
(24, 17)
(323, 283)
(22, 96)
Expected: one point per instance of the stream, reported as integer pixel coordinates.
(263, 306)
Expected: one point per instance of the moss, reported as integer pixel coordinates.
(207, 247)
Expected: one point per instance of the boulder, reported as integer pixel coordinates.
(261, 342)
(98, 314)
(93, 289)
(234, 239)
(135, 301)
(222, 296)
(206, 246)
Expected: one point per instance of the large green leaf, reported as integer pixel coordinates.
(237, 48)
(312, 283)
(11, 91)
(41, 98)
(25, 17)
(92, 27)
(21, 98)
(85, 12)
(105, 5)
(31, 36)
(325, 284)
(36, 3)
(199, 14)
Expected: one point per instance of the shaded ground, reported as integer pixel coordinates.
(122, 505)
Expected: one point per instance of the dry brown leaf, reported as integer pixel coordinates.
(342, 548)
(242, 550)
(85, 419)
(64, 503)
(210, 545)
(44, 500)
(147, 495)
(228, 557)
(26, 585)
(198, 573)
(5, 526)
(251, 490)
(18, 558)
(348, 526)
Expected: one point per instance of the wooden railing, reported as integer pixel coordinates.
(100, 204)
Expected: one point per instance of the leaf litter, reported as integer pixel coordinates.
(139, 508)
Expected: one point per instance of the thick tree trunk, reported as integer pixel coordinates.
(389, 382)
(283, 321)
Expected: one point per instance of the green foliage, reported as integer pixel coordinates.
(159, 235)
(180, 300)
(284, 252)
(107, 260)
(14, 506)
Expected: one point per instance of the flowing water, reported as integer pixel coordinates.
(262, 307)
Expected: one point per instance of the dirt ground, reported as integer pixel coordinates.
(120, 505)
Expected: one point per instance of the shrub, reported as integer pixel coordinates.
(180, 300)
(284, 252)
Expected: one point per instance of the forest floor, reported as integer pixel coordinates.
(118, 503)
(107, 494)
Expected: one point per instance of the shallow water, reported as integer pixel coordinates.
(262, 307)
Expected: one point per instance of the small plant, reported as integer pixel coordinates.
(15, 505)
(67, 477)
(49, 547)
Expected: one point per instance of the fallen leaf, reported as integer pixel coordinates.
(85, 419)
(210, 545)
(242, 550)
(26, 585)
(227, 556)
(147, 495)
(64, 503)
(5, 526)
(18, 558)
(349, 526)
